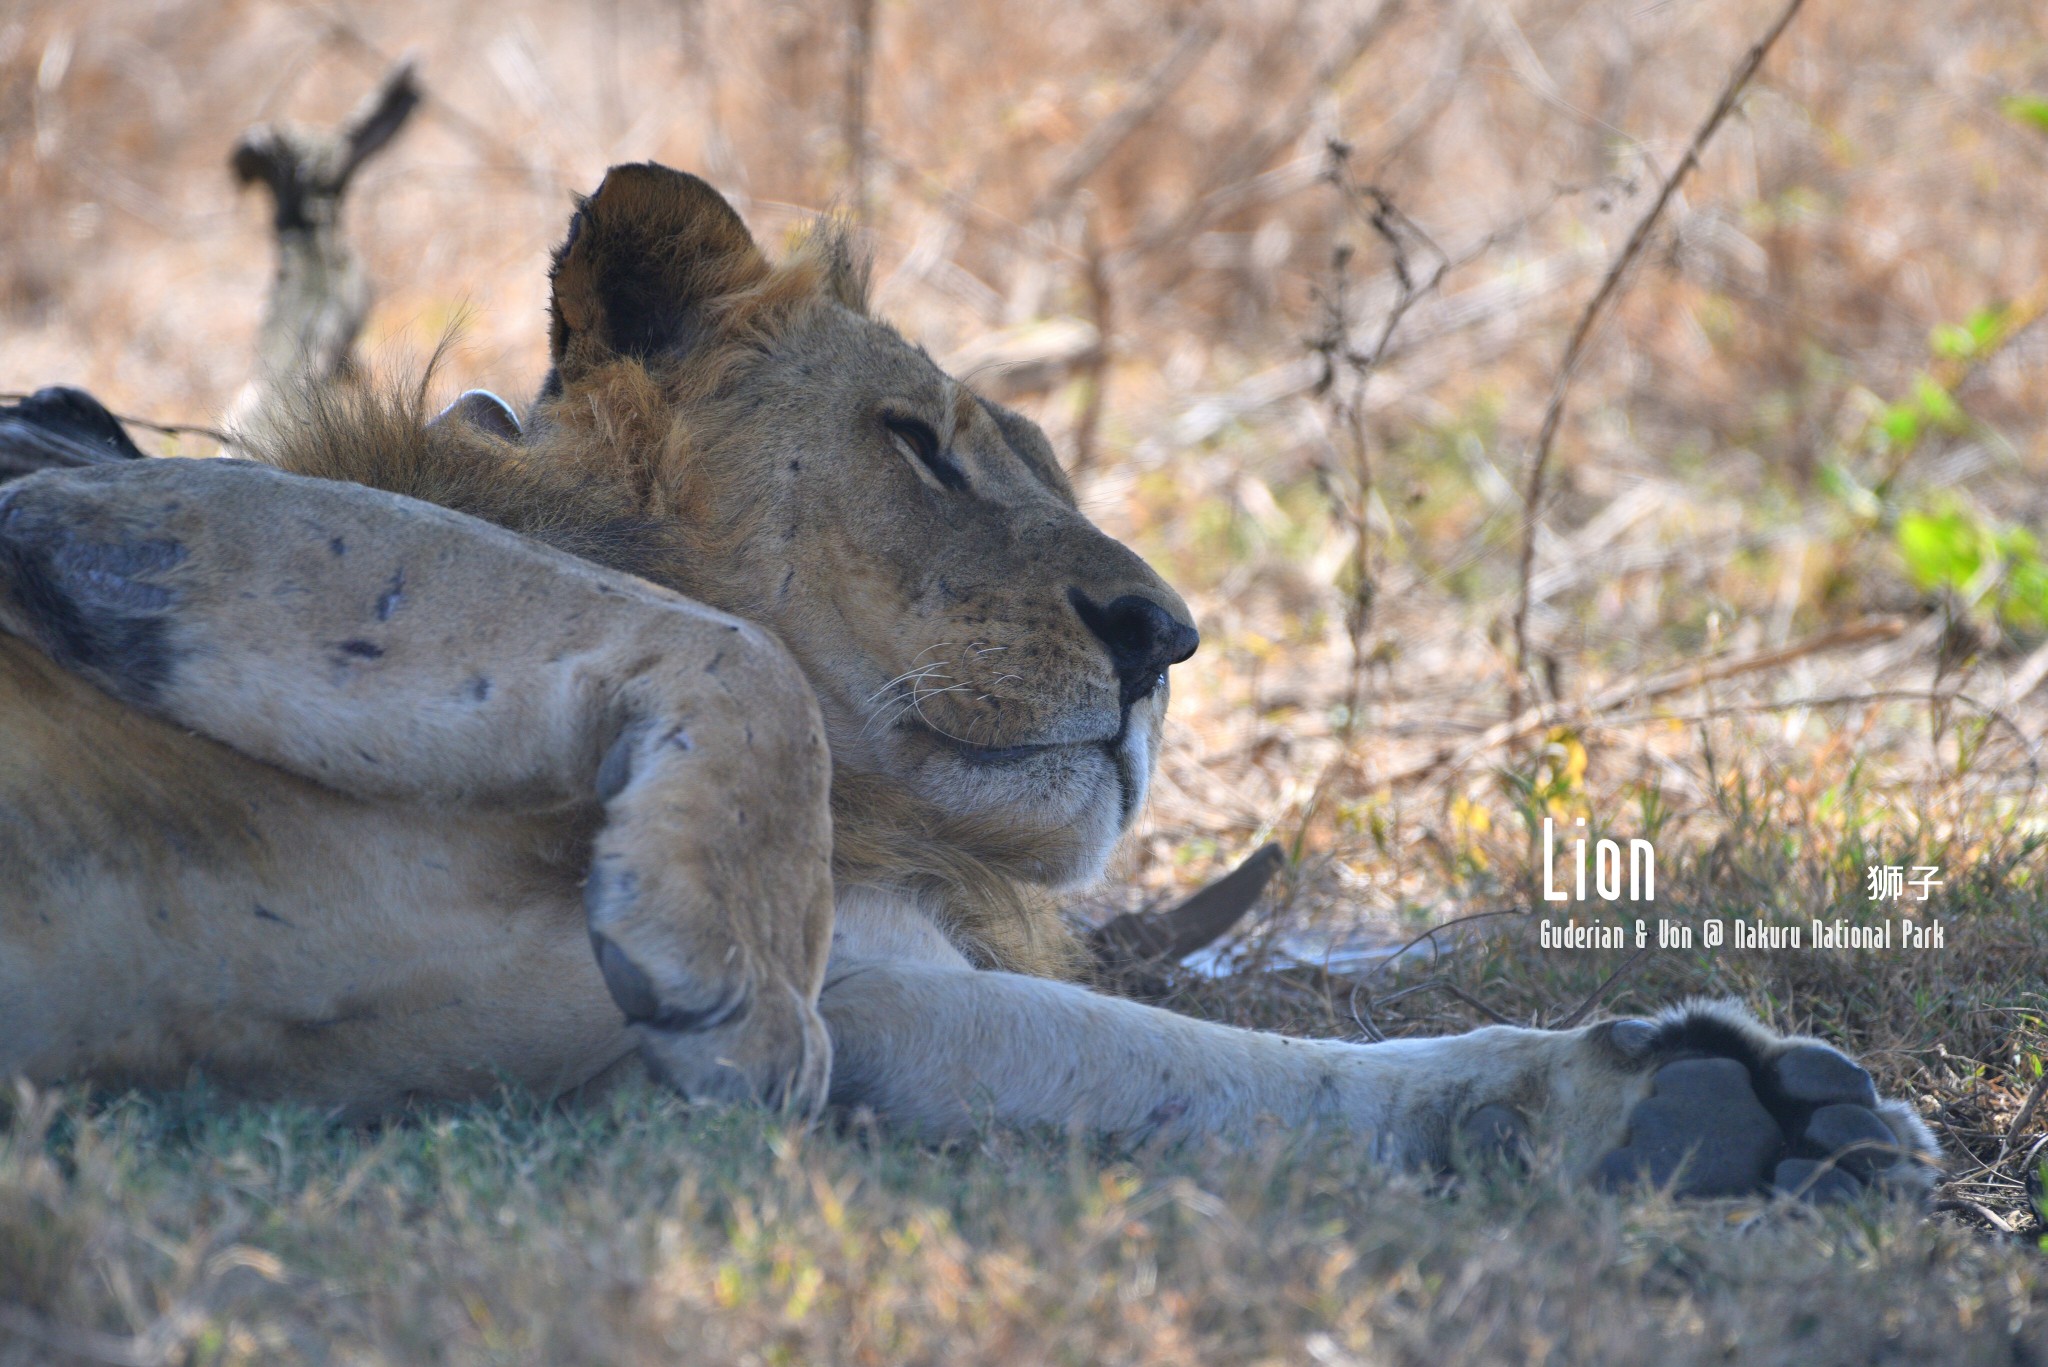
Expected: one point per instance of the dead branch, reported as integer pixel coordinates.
(1363, 1017)
(1347, 373)
(1609, 289)
(1136, 943)
(2024, 1118)
(860, 59)
(1148, 99)
(497, 150)
(1259, 147)
(1599, 994)
(1095, 366)
(1682, 680)
(319, 296)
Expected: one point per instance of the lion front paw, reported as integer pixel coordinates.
(1736, 1110)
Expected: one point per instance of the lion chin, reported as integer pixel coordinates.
(1063, 805)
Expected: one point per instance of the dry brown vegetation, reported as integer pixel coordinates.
(1288, 282)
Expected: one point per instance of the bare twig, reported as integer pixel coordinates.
(496, 147)
(1362, 1017)
(1431, 934)
(1370, 1028)
(1347, 372)
(1095, 372)
(1610, 287)
(167, 428)
(1870, 695)
(1449, 989)
(1535, 719)
(1976, 1208)
(2024, 1118)
(320, 294)
(1259, 147)
(1599, 994)
(860, 58)
(1106, 137)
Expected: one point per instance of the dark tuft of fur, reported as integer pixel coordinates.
(1700, 1033)
(77, 600)
(60, 428)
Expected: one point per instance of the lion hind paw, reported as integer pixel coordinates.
(1735, 1109)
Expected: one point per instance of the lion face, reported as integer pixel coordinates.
(971, 636)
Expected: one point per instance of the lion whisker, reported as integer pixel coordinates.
(910, 676)
(918, 704)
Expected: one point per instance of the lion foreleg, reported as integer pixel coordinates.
(398, 652)
(941, 1050)
(1703, 1100)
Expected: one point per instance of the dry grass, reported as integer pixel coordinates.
(1728, 484)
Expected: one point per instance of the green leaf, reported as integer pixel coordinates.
(2026, 596)
(1900, 423)
(1936, 405)
(1953, 341)
(1941, 550)
(1987, 326)
(1977, 335)
(2026, 109)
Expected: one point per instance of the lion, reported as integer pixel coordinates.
(739, 715)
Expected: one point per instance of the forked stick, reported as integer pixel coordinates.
(319, 297)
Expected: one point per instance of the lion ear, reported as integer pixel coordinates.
(645, 254)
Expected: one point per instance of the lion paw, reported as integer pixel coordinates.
(1736, 1110)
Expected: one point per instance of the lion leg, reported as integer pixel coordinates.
(398, 652)
(1703, 1101)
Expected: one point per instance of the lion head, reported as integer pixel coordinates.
(972, 637)
(991, 667)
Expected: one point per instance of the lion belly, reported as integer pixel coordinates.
(169, 905)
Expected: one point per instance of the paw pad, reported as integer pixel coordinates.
(1702, 1131)
(1860, 1141)
(1801, 1122)
(1816, 1075)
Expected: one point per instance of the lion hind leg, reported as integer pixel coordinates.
(398, 652)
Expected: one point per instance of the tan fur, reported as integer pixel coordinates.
(756, 734)
(632, 468)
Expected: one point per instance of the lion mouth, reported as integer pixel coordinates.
(1111, 747)
(996, 755)
(993, 754)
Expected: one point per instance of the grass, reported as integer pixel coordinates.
(189, 1229)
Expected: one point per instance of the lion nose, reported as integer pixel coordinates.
(1142, 638)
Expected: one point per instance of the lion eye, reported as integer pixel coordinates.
(919, 440)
